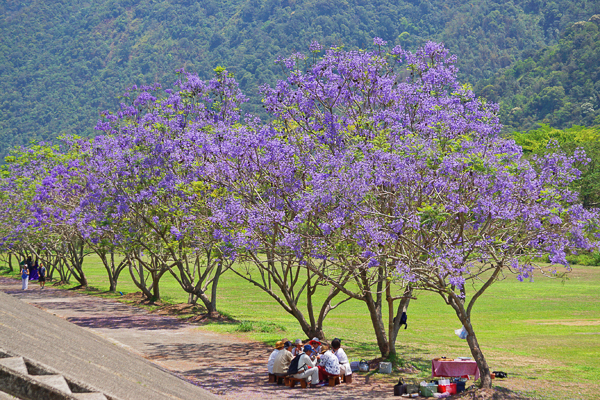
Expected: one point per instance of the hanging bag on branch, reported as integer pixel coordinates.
(461, 333)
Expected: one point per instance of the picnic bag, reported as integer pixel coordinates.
(363, 366)
(412, 388)
(405, 388)
(293, 368)
(399, 388)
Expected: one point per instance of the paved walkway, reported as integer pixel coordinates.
(228, 366)
(81, 354)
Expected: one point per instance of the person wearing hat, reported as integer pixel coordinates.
(316, 345)
(278, 348)
(306, 368)
(298, 347)
(283, 359)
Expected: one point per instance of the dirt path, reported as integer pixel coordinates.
(226, 365)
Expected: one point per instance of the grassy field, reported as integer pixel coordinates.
(540, 333)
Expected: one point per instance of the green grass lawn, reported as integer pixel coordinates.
(539, 333)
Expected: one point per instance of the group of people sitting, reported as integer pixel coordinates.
(308, 361)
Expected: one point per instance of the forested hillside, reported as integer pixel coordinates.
(62, 62)
(559, 85)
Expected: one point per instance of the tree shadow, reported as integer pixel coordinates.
(228, 368)
(128, 322)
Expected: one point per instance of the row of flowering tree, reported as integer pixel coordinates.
(377, 176)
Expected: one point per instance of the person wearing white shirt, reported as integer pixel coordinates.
(278, 348)
(341, 356)
(306, 368)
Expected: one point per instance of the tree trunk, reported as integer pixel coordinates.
(484, 369)
(109, 272)
(394, 321)
(200, 294)
(286, 300)
(118, 269)
(378, 326)
(155, 286)
(141, 283)
(112, 285)
(75, 262)
(315, 331)
(112, 276)
(213, 289)
(112, 271)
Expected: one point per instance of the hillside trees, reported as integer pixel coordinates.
(545, 140)
(557, 86)
(63, 62)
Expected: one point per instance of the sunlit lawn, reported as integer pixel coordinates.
(541, 332)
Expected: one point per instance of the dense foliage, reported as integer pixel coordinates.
(545, 140)
(558, 86)
(62, 62)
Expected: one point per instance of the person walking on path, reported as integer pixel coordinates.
(42, 279)
(24, 275)
(33, 270)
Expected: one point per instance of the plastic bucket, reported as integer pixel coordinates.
(450, 388)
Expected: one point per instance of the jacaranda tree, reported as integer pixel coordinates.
(416, 183)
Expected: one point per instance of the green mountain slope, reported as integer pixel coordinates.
(62, 62)
(559, 85)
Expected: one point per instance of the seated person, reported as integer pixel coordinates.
(306, 368)
(336, 345)
(278, 348)
(283, 359)
(316, 345)
(329, 366)
(298, 349)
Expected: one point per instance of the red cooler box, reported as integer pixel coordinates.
(450, 388)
